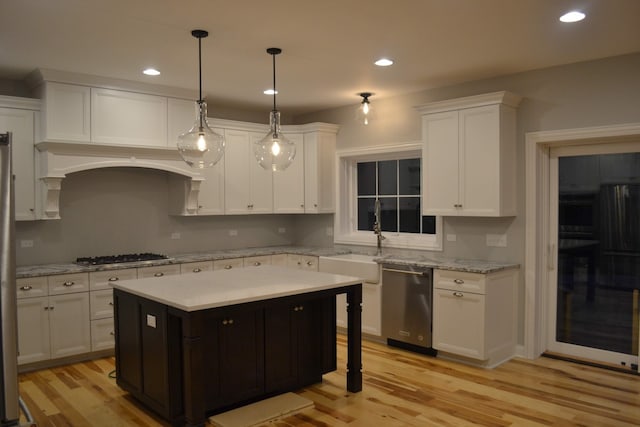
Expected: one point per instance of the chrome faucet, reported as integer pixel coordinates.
(377, 230)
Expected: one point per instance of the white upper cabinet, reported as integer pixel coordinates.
(18, 115)
(319, 170)
(469, 156)
(248, 187)
(128, 118)
(288, 185)
(66, 112)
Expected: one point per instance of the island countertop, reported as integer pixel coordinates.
(219, 288)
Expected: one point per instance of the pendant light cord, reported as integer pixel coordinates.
(274, 81)
(200, 78)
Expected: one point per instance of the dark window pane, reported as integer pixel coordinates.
(389, 213)
(409, 177)
(409, 214)
(366, 214)
(367, 179)
(428, 225)
(388, 177)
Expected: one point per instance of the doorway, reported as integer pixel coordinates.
(594, 261)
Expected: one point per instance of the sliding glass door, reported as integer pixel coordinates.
(595, 248)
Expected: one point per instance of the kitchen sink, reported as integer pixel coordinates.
(357, 265)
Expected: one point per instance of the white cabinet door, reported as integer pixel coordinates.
(128, 118)
(211, 194)
(440, 163)
(248, 187)
(288, 185)
(34, 342)
(70, 324)
(21, 123)
(101, 304)
(102, 334)
(182, 115)
(319, 172)
(100, 280)
(66, 112)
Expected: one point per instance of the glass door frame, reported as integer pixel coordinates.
(552, 271)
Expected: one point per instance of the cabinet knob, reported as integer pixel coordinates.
(228, 267)
(196, 270)
(26, 288)
(458, 294)
(458, 281)
(298, 308)
(68, 284)
(113, 279)
(227, 322)
(315, 205)
(158, 274)
(302, 206)
(111, 303)
(113, 334)
(309, 263)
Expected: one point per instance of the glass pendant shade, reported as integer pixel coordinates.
(364, 112)
(200, 147)
(274, 152)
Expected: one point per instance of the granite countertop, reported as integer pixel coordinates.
(472, 266)
(210, 289)
(466, 265)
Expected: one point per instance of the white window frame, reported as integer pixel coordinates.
(346, 222)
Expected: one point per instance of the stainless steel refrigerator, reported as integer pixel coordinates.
(11, 403)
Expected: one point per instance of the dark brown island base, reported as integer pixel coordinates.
(191, 346)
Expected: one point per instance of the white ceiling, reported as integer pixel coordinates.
(328, 45)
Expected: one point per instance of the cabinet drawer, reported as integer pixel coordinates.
(460, 281)
(279, 259)
(228, 264)
(68, 283)
(196, 267)
(101, 303)
(32, 287)
(101, 279)
(255, 261)
(159, 270)
(306, 262)
(102, 334)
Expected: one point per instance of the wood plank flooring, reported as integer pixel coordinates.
(399, 389)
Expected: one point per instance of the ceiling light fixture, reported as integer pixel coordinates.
(151, 72)
(274, 152)
(200, 146)
(363, 113)
(573, 16)
(383, 62)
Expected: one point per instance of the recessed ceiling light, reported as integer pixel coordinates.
(151, 72)
(270, 92)
(383, 62)
(573, 16)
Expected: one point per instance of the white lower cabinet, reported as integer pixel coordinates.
(304, 262)
(102, 334)
(371, 309)
(474, 315)
(52, 326)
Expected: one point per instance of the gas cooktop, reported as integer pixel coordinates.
(118, 259)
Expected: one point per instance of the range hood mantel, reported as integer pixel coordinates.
(54, 160)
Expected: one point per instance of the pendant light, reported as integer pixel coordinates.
(274, 152)
(200, 147)
(363, 113)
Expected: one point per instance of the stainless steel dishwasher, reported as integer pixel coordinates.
(407, 301)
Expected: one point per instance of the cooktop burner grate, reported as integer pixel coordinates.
(117, 259)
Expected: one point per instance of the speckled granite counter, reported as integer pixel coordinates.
(470, 266)
(64, 268)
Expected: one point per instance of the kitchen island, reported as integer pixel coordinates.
(194, 345)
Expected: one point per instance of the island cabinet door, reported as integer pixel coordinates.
(128, 341)
(234, 356)
(293, 350)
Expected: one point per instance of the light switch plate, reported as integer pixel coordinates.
(233, 232)
(26, 243)
(497, 240)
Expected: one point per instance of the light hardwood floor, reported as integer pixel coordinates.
(399, 389)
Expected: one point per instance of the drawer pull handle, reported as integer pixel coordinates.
(309, 263)
(257, 264)
(110, 302)
(26, 288)
(458, 281)
(197, 270)
(159, 274)
(228, 267)
(113, 279)
(227, 322)
(458, 294)
(68, 284)
(113, 334)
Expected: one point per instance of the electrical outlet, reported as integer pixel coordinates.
(26, 243)
(497, 240)
(151, 321)
(451, 237)
(233, 232)
(282, 230)
(175, 236)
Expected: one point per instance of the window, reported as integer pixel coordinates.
(393, 177)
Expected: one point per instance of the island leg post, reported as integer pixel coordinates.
(354, 338)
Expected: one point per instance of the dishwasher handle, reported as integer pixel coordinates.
(415, 273)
